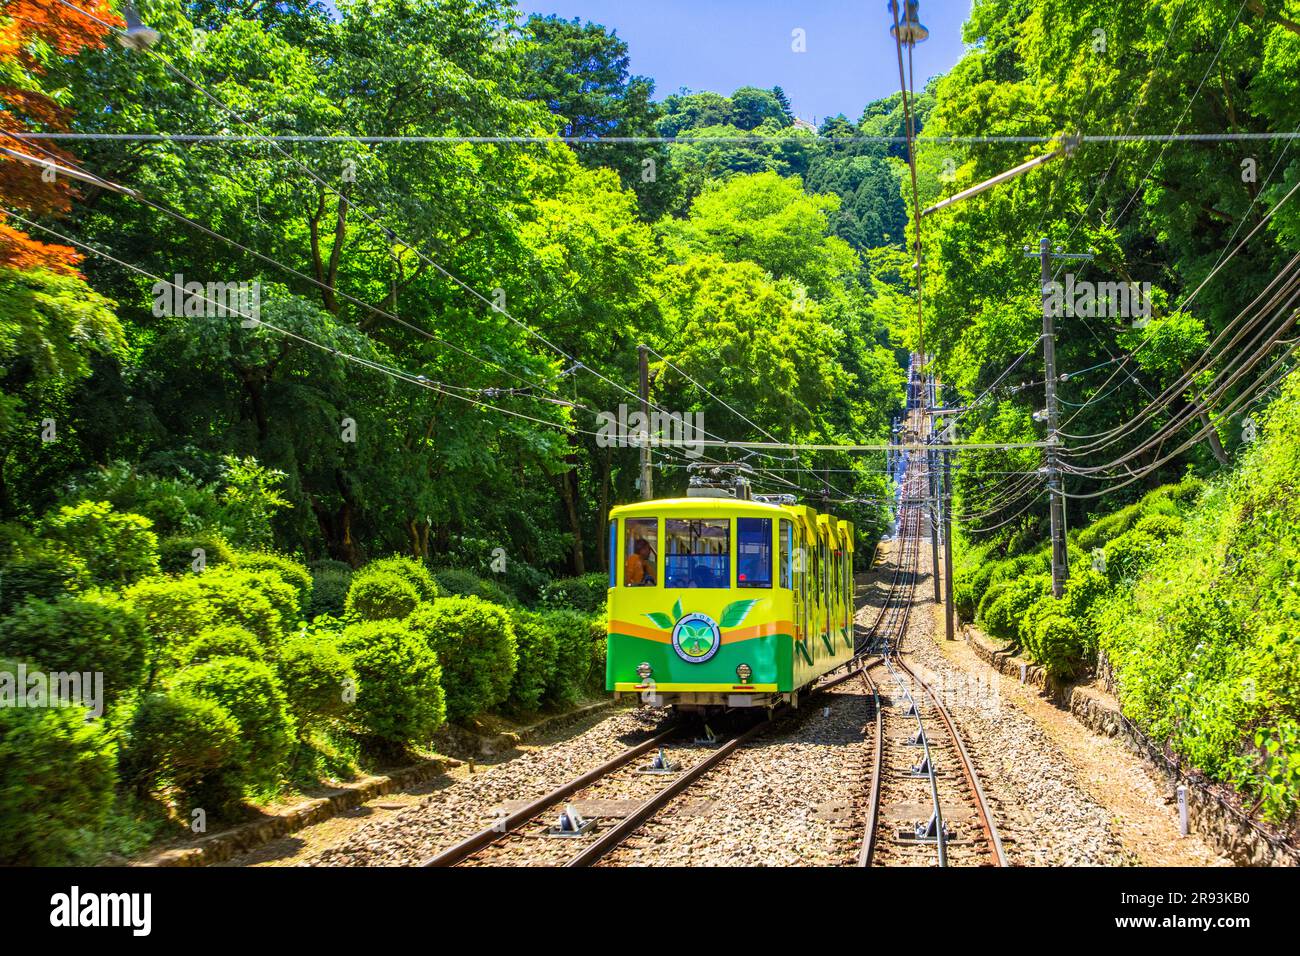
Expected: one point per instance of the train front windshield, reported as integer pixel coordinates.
(698, 552)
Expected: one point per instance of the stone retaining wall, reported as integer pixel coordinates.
(1242, 839)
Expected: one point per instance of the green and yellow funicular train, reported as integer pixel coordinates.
(726, 602)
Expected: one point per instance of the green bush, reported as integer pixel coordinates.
(46, 574)
(1083, 591)
(538, 649)
(457, 582)
(1060, 646)
(176, 554)
(319, 679)
(290, 571)
(598, 635)
(56, 784)
(994, 591)
(180, 739)
(573, 663)
(587, 592)
(176, 506)
(525, 581)
(329, 592)
(410, 570)
(174, 610)
(399, 695)
(964, 597)
(225, 641)
(1162, 527)
(96, 631)
(1027, 627)
(255, 601)
(117, 548)
(1128, 554)
(381, 595)
(1111, 526)
(252, 694)
(475, 644)
(329, 564)
(1002, 618)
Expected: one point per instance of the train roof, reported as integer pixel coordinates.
(682, 507)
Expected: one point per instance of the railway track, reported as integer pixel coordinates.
(619, 790)
(926, 802)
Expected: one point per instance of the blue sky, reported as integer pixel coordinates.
(720, 45)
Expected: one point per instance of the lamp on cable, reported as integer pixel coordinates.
(909, 31)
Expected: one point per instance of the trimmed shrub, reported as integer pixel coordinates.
(963, 596)
(329, 592)
(253, 601)
(399, 695)
(1162, 527)
(574, 655)
(56, 784)
(176, 555)
(380, 596)
(410, 570)
(457, 582)
(175, 611)
(587, 592)
(46, 574)
(289, 571)
(598, 635)
(1111, 526)
(96, 631)
(991, 595)
(475, 644)
(1129, 554)
(225, 641)
(1002, 617)
(1060, 646)
(329, 564)
(183, 740)
(252, 694)
(538, 650)
(117, 548)
(318, 678)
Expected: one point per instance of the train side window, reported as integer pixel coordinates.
(786, 553)
(699, 552)
(754, 552)
(640, 552)
(612, 553)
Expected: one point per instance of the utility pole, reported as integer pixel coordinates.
(933, 474)
(647, 466)
(1060, 562)
(950, 622)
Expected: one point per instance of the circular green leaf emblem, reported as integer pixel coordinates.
(696, 638)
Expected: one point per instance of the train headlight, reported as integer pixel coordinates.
(744, 672)
(644, 670)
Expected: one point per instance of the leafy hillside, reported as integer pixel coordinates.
(1191, 599)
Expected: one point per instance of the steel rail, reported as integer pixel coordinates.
(617, 834)
(486, 837)
(968, 770)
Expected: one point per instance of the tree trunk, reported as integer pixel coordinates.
(569, 492)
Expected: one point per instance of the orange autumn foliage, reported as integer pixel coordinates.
(30, 31)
